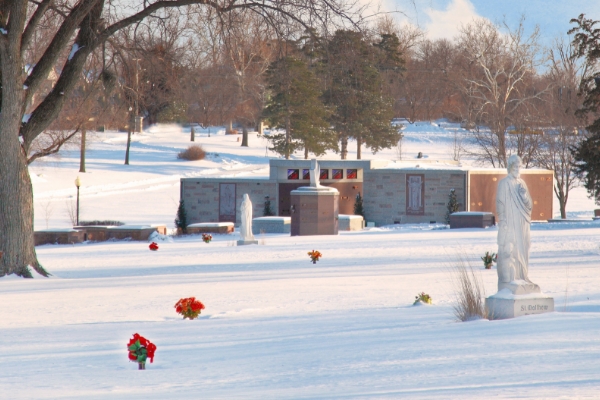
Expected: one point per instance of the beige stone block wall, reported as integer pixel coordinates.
(384, 198)
(201, 197)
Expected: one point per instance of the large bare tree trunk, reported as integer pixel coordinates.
(358, 148)
(16, 192)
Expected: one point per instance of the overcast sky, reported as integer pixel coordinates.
(442, 18)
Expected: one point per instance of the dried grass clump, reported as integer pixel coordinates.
(469, 293)
(192, 153)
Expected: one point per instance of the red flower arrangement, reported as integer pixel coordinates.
(141, 349)
(314, 256)
(206, 237)
(189, 307)
(153, 246)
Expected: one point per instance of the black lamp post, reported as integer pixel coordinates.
(77, 184)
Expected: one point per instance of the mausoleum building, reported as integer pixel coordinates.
(393, 192)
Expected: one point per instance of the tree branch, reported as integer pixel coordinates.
(33, 23)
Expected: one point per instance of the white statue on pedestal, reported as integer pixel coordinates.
(315, 173)
(513, 208)
(246, 216)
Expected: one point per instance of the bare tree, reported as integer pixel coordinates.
(565, 128)
(500, 83)
(247, 47)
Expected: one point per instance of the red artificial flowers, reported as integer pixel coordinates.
(189, 307)
(141, 349)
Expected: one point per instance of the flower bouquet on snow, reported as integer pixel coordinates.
(488, 259)
(314, 256)
(206, 237)
(141, 349)
(153, 246)
(422, 298)
(189, 307)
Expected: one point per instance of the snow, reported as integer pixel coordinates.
(210, 224)
(74, 50)
(275, 325)
(466, 213)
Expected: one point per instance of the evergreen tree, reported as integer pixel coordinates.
(267, 212)
(587, 165)
(295, 106)
(181, 219)
(587, 153)
(358, 206)
(452, 205)
(360, 110)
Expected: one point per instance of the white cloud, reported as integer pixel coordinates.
(446, 23)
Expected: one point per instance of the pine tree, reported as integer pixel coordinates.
(358, 206)
(360, 109)
(587, 153)
(181, 219)
(452, 205)
(587, 164)
(295, 107)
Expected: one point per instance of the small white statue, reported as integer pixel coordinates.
(246, 216)
(513, 208)
(315, 173)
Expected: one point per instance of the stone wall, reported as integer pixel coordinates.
(384, 198)
(201, 197)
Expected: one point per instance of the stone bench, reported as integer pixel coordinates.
(58, 236)
(98, 233)
(350, 222)
(211, 227)
(134, 232)
(471, 219)
(271, 225)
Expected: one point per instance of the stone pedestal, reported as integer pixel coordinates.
(314, 211)
(504, 304)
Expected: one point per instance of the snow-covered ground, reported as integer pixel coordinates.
(275, 325)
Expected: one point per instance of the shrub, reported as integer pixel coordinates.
(181, 219)
(469, 294)
(358, 206)
(267, 212)
(452, 205)
(192, 153)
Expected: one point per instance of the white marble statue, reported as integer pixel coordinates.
(513, 208)
(246, 216)
(315, 173)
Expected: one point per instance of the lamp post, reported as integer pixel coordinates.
(77, 185)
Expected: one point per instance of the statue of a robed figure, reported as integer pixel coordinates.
(246, 236)
(513, 210)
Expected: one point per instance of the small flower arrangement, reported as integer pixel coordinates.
(189, 307)
(141, 349)
(314, 256)
(206, 237)
(422, 298)
(153, 246)
(488, 259)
